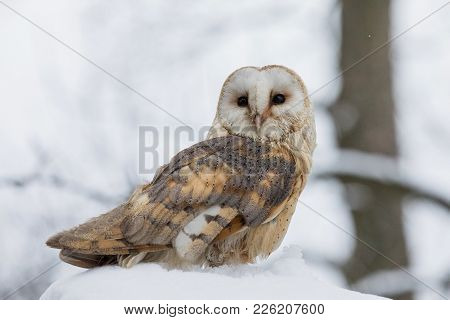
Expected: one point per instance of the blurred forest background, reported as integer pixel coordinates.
(375, 214)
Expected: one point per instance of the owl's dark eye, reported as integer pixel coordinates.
(278, 99)
(242, 101)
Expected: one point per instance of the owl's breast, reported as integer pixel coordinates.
(264, 239)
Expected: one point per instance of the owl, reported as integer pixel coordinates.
(226, 200)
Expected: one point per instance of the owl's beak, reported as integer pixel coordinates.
(260, 118)
(257, 121)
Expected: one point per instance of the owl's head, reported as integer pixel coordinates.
(269, 103)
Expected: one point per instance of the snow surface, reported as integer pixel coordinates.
(283, 276)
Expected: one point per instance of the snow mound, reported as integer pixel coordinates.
(283, 276)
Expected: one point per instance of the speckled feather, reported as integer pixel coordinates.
(242, 176)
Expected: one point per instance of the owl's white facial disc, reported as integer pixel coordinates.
(266, 103)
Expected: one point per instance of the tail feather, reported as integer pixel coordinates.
(100, 241)
(87, 261)
(53, 241)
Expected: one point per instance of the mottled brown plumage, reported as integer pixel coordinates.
(227, 199)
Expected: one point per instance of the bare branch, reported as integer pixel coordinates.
(362, 167)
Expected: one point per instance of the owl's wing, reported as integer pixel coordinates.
(213, 188)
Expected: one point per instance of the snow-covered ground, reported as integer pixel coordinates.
(283, 276)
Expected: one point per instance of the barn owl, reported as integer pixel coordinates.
(226, 200)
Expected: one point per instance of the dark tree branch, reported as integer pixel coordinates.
(396, 185)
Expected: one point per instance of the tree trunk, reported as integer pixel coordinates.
(364, 117)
